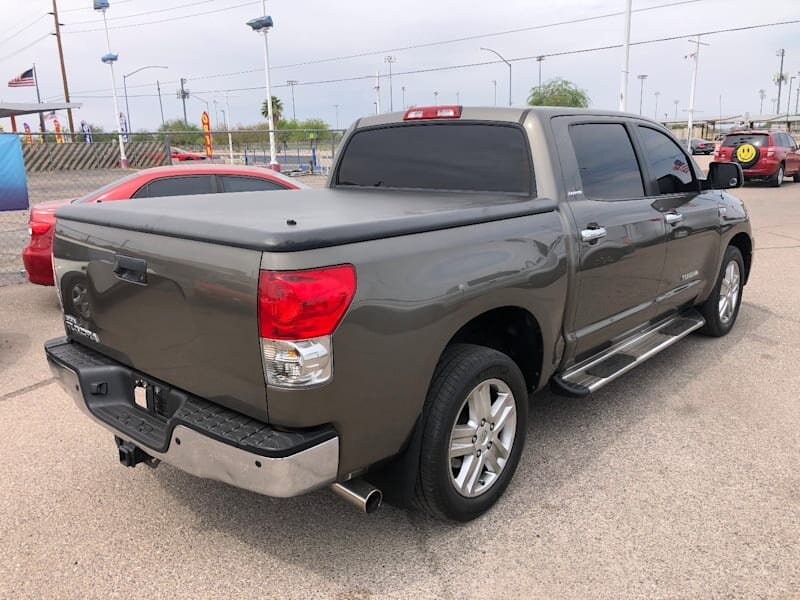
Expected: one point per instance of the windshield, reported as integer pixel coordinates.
(98, 193)
(756, 139)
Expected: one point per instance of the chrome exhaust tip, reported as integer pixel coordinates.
(361, 494)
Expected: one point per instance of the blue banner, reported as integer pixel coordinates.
(13, 184)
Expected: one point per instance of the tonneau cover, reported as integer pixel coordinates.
(285, 221)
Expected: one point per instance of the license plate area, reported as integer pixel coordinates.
(156, 399)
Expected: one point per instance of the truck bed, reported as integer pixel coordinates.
(287, 221)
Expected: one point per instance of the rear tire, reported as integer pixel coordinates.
(777, 179)
(474, 424)
(722, 306)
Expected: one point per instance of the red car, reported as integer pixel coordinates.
(180, 154)
(769, 155)
(149, 183)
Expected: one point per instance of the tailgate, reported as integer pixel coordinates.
(177, 310)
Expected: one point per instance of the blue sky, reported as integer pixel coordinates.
(734, 66)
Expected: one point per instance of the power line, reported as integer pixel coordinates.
(152, 12)
(208, 12)
(20, 30)
(34, 42)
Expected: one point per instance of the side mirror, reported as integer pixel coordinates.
(724, 175)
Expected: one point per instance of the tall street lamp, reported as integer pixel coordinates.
(641, 79)
(403, 90)
(291, 83)
(110, 58)
(655, 112)
(125, 88)
(390, 60)
(676, 102)
(761, 94)
(539, 60)
(263, 25)
(436, 98)
(494, 83)
(500, 56)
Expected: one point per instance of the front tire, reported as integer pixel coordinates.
(475, 419)
(722, 307)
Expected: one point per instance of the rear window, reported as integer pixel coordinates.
(756, 139)
(439, 156)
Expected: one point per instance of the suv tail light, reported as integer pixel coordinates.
(770, 151)
(297, 313)
(432, 112)
(38, 227)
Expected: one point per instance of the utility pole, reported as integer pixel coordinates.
(539, 60)
(494, 82)
(63, 68)
(623, 86)
(782, 54)
(377, 92)
(761, 94)
(655, 112)
(696, 55)
(293, 83)
(641, 79)
(160, 103)
(390, 60)
(183, 94)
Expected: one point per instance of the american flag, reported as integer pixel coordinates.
(24, 80)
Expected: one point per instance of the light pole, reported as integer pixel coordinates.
(403, 90)
(458, 97)
(696, 56)
(336, 108)
(782, 54)
(228, 127)
(436, 98)
(263, 25)
(539, 60)
(641, 79)
(390, 60)
(125, 88)
(494, 83)
(797, 97)
(110, 58)
(761, 94)
(655, 112)
(291, 83)
(789, 103)
(623, 86)
(500, 56)
(676, 108)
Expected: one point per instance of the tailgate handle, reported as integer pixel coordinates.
(130, 269)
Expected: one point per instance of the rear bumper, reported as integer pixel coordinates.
(762, 169)
(201, 438)
(38, 264)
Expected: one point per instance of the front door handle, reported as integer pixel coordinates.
(673, 217)
(594, 233)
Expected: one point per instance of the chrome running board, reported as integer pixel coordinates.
(590, 375)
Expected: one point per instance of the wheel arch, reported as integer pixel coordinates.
(744, 243)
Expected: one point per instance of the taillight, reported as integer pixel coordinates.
(432, 112)
(770, 151)
(38, 227)
(297, 313)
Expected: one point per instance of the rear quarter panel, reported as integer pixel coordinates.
(413, 294)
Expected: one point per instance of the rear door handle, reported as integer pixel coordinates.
(673, 217)
(594, 233)
(130, 269)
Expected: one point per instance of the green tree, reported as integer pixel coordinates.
(182, 134)
(559, 92)
(277, 111)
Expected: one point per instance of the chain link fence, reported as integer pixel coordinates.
(66, 166)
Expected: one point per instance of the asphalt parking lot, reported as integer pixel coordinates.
(678, 480)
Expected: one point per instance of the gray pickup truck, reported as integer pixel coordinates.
(382, 336)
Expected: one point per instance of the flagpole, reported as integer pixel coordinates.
(38, 98)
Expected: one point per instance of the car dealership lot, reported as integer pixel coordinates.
(680, 479)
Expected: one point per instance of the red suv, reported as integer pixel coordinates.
(770, 155)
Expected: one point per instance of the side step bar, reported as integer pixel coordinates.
(593, 373)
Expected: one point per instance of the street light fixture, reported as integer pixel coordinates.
(641, 79)
(390, 60)
(500, 56)
(110, 58)
(263, 25)
(125, 88)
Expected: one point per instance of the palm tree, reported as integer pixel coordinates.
(277, 111)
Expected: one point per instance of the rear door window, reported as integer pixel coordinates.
(481, 157)
(240, 183)
(759, 140)
(667, 162)
(179, 186)
(606, 161)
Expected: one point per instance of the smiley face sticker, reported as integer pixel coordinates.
(745, 153)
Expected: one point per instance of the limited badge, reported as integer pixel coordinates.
(745, 153)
